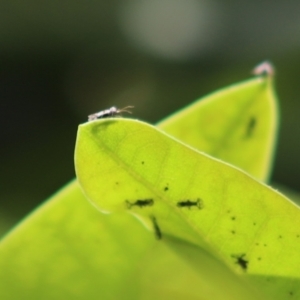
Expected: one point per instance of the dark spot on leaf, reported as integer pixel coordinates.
(143, 162)
(166, 188)
(280, 236)
(291, 293)
(265, 245)
(259, 258)
(256, 244)
(241, 261)
(140, 203)
(157, 231)
(117, 182)
(250, 127)
(228, 211)
(254, 224)
(189, 203)
(232, 218)
(298, 235)
(232, 231)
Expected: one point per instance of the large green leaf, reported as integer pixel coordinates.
(183, 193)
(66, 250)
(237, 124)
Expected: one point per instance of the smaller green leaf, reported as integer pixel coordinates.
(237, 124)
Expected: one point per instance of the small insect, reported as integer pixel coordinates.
(157, 231)
(140, 203)
(189, 203)
(108, 113)
(240, 260)
(265, 69)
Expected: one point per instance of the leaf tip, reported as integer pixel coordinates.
(265, 68)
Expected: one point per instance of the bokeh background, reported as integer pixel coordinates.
(62, 60)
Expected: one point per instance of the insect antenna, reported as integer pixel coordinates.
(125, 109)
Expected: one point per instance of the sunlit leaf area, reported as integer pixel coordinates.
(166, 133)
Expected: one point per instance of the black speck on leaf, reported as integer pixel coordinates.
(157, 231)
(250, 127)
(241, 261)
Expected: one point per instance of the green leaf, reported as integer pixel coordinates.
(67, 250)
(196, 198)
(237, 124)
(288, 192)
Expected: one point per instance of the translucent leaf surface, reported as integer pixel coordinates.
(67, 250)
(180, 192)
(237, 124)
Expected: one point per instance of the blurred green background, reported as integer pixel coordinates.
(62, 60)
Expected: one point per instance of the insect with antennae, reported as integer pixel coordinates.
(109, 113)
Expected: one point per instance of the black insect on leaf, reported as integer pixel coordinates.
(140, 203)
(189, 203)
(241, 261)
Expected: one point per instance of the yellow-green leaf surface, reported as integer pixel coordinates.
(237, 124)
(182, 193)
(67, 250)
